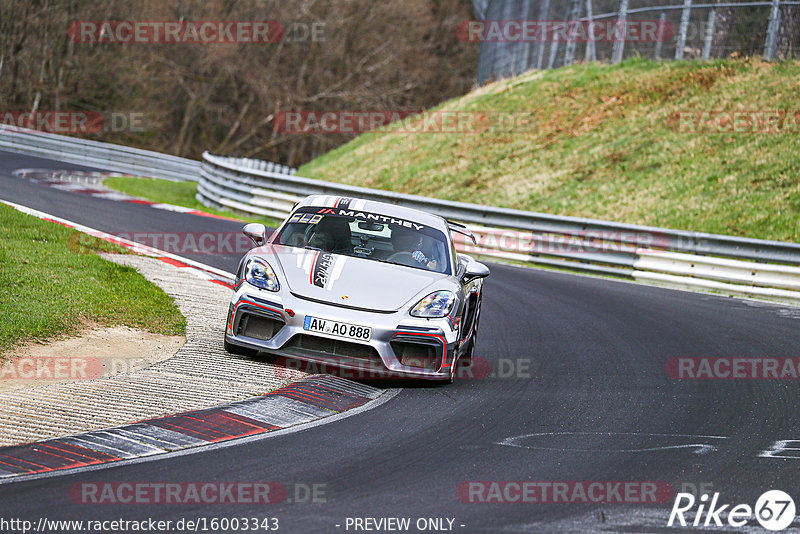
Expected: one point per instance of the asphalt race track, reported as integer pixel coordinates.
(580, 392)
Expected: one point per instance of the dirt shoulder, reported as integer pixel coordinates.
(158, 382)
(95, 352)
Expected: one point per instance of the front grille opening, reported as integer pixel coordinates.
(334, 347)
(418, 355)
(258, 326)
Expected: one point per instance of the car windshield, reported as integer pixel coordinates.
(367, 235)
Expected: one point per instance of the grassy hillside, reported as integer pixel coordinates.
(607, 143)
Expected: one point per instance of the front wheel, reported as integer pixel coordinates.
(467, 356)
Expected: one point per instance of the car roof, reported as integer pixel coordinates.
(373, 206)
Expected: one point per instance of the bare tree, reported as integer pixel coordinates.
(225, 97)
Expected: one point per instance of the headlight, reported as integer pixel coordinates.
(436, 304)
(260, 274)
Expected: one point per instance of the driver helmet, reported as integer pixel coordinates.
(404, 240)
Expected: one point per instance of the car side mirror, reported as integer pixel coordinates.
(475, 270)
(257, 233)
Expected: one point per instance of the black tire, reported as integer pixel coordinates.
(236, 349)
(467, 356)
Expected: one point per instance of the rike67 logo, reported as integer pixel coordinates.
(774, 510)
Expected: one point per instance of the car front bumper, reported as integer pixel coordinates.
(400, 346)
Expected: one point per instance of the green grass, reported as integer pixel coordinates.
(166, 191)
(176, 193)
(606, 144)
(52, 283)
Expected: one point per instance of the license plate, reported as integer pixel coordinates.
(337, 328)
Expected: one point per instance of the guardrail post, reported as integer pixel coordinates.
(712, 17)
(591, 53)
(553, 53)
(772, 30)
(619, 42)
(684, 29)
(573, 20)
(527, 59)
(544, 9)
(662, 22)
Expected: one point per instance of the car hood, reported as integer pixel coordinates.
(350, 281)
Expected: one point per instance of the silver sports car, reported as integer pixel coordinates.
(359, 285)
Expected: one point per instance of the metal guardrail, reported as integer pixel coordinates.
(717, 262)
(94, 153)
(725, 263)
